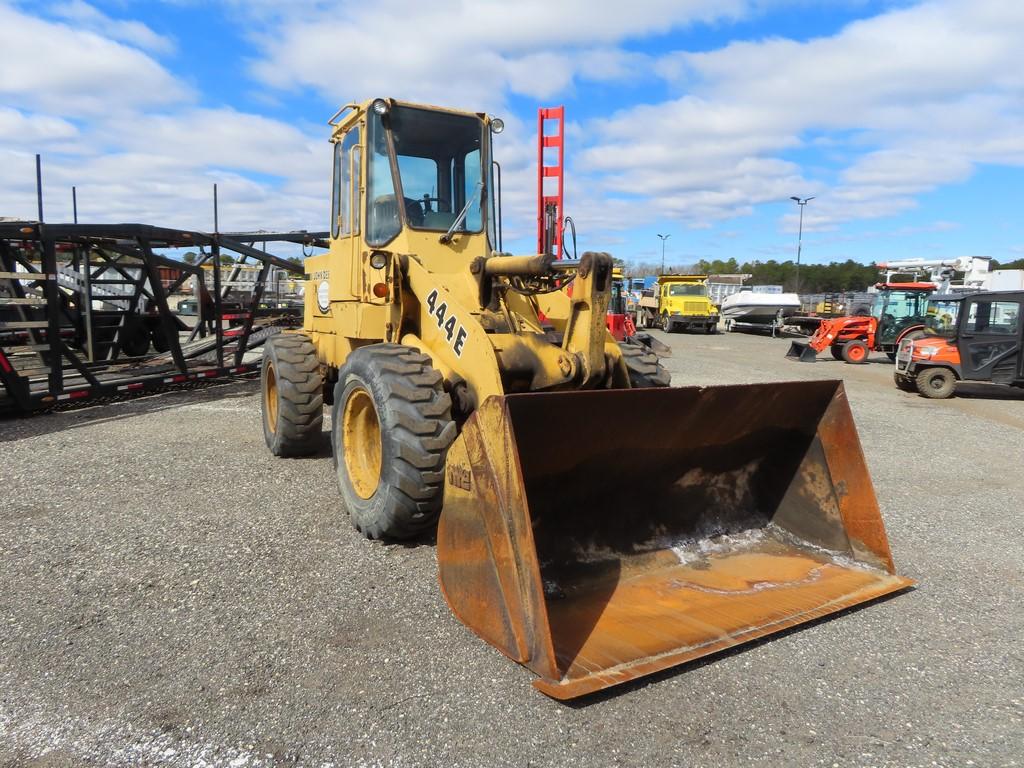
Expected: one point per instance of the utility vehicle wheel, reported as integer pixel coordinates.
(645, 369)
(293, 395)
(837, 351)
(391, 428)
(936, 383)
(904, 383)
(855, 352)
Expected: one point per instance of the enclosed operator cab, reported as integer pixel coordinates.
(971, 338)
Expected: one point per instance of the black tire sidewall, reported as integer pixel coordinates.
(924, 383)
(362, 511)
(272, 437)
(389, 513)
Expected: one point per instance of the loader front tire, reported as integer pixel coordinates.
(391, 428)
(645, 370)
(293, 395)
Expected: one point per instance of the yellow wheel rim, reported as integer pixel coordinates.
(270, 398)
(361, 443)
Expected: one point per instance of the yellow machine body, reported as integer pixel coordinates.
(592, 556)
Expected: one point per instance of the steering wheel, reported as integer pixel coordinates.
(443, 206)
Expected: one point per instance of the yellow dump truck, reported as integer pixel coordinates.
(679, 302)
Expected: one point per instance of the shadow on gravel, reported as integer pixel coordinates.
(19, 427)
(978, 391)
(682, 669)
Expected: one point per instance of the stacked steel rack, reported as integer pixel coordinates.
(84, 309)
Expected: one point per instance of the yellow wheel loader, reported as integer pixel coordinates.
(472, 391)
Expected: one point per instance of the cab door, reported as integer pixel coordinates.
(990, 339)
(346, 216)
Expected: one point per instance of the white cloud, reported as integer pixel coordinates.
(469, 54)
(929, 91)
(28, 129)
(50, 66)
(135, 33)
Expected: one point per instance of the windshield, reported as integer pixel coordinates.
(940, 319)
(440, 167)
(687, 290)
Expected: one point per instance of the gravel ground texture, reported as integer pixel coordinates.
(171, 594)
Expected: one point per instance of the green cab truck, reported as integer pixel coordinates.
(678, 302)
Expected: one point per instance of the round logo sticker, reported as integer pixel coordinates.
(323, 297)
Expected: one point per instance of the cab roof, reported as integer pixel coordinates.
(682, 278)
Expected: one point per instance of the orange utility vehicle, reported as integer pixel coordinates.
(899, 313)
(977, 337)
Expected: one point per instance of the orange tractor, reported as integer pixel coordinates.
(899, 313)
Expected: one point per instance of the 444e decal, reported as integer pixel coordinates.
(447, 322)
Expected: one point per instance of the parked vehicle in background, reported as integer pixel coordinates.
(618, 318)
(899, 313)
(977, 337)
(758, 310)
(678, 302)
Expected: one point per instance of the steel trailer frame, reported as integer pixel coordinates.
(51, 345)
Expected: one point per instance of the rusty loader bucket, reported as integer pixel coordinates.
(596, 537)
(802, 351)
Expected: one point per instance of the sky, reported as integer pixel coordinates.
(693, 118)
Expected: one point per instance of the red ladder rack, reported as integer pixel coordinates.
(550, 208)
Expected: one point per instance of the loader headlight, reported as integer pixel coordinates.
(497, 125)
(925, 351)
(380, 107)
(378, 260)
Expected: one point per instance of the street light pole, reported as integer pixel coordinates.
(663, 239)
(800, 236)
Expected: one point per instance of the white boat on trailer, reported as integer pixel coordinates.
(755, 310)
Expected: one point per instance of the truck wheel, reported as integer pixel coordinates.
(936, 383)
(855, 352)
(134, 338)
(160, 342)
(391, 428)
(837, 351)
(293, 396)
(904, 383)
(666, 324)
(645, 369)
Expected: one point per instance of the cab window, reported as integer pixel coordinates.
(997, 317)
(382, 219)
(344, 213)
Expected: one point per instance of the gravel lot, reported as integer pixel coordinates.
(170, 594)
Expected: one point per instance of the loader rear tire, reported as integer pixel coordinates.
(391, 429)
(293, 395)
(645, 370)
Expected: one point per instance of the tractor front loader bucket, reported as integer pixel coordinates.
(599, 536)
(802, 351)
